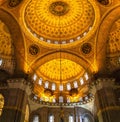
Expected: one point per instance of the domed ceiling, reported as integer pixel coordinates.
(60, 69)
(58, 44)
(60, 21)
(6, 49)
(60, 77)
(113, 48)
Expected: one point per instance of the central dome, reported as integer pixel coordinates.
(59, 22)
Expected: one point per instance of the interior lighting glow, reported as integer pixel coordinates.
(46, 84)
(81, 81)
(40, 81)
(86, 76)
(54, 100)
(53, 86)
(61, 99)
(68, 86)
(61, 87)
(34, 77)
(75, 84)
(1, 61)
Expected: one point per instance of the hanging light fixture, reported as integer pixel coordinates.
(61, 84)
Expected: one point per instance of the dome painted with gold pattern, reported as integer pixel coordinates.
(60, 70)
(59, 21)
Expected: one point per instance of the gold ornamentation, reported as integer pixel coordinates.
(114, 39)
(52, 69)
(59, 21)
(34, 49)
(113, 47)
(6, 49)
(48, 92)
(86, 48)
(59, 8)
(73, 92)
(14, 3)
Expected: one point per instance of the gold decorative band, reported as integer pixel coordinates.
(108, 108)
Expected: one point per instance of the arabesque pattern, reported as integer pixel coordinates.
(6, 48)
(60, 69)
(59, 20)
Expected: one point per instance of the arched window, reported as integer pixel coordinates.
(61, 87)
(36, 118)
(86, 76)
(68, 86)
(40, 81)
(46, 84)
(75, 84)
(1, 62)
(87, 117)
(34, 77)
(81, 81)
(71, 119)
(68, 100)
(61, 99)
(51, 118)
(54, 100)
(53, 86)
(1, 103)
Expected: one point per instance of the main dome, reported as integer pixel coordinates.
(59, 21)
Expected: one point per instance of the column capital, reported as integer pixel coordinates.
(105, 83)
(20, 83)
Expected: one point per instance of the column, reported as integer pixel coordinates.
(15, 98)
(44, 114)
(106, 108)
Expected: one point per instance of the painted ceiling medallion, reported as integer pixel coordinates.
(60, 22)
(33, 49)
(104, 2)
(59, 8)
(14, 3)
(86, 48)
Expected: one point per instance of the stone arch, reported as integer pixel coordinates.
(102, 35)
(66, 55)
(16, 36)
(34, 116)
